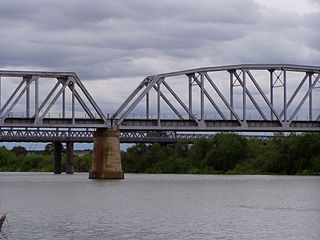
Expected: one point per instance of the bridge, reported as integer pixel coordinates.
(55, 106)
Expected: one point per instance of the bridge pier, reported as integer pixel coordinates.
(57, 157)
(69, 158)
(106, 161)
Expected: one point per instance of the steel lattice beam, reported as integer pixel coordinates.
(86, 135)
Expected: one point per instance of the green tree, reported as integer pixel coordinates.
(316, 164)
(19, 150)
(228, 150)
(83, 163)
(7, 160)
(198, 150)
(49, 149)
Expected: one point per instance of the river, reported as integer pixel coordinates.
(164, 206)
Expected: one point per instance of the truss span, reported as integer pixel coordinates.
(28, 97)
(253, 97)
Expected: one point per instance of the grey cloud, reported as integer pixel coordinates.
(103, 39)
(81, 13)
(315, 1)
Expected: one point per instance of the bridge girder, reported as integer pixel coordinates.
(86, 135)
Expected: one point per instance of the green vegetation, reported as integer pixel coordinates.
(18, 159)
(228, 153)
(224, 153)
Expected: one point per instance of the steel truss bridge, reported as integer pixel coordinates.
(237, 98)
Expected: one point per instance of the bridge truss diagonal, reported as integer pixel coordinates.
(251, 97)
(63, 91)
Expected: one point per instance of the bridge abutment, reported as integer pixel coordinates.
(106, 161)
(57, 157)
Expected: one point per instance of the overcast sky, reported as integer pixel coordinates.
(122, 41)
(133, 38)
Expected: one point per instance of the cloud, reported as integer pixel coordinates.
(72, 35)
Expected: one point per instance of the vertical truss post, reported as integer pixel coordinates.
(190, 95)
(147, 106)
(158, 104)
(271, 93)
(244, 96)
(310, 98)
(231, 94)
(73, 102)
(64, 104)
(202, 96)
(284, 95)
(27, 96)
(36, 97)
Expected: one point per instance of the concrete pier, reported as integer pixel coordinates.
(57, 157)
(69, 158)
(106, 161)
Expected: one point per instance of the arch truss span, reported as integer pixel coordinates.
(252, 97)
(47, 99)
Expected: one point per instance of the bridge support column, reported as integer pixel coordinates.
(106, 161)
(69, 162)
(57, 157)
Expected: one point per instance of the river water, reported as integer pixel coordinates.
(164, 206)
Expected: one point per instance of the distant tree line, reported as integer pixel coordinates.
(19, 159)
(224, 153)
(228, 153)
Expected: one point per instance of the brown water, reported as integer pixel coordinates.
(147, 206)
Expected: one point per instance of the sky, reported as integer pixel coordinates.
(112, 45)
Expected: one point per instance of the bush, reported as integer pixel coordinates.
(228, 150)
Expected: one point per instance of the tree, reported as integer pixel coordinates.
(49, 149)
(198, 151)
(228, 150)
(19, 150)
